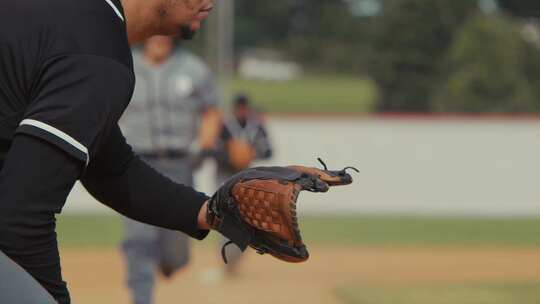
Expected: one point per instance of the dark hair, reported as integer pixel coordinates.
(241, 100)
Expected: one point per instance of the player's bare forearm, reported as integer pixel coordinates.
(203, 223)
(211, 122)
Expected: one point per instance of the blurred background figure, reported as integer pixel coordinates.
(243, 139)
(437, 102)
(174, 96)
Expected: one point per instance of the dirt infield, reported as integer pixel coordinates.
(96, 275)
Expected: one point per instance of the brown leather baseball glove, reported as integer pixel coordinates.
(257, 208)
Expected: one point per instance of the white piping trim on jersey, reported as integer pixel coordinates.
(115, 9)
(54, 131)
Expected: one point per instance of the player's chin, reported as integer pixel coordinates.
(179, 30)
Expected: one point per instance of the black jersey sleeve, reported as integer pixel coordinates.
(76, 102)
(122, 181)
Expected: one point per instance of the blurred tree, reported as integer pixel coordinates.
(408, 47)
(332, 39)
(324, 34)
(490, 69)
(522, 8)
(261, 23)
(409, 41)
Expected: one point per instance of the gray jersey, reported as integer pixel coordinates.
(252, 131)
(164, 112)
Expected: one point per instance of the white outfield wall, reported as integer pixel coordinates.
(409, 164)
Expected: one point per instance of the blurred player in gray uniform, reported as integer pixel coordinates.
(243, 139)
(173, 94)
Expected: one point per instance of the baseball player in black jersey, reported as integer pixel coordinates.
(66, 77)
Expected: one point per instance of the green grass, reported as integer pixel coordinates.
(91, 230)
(512, 293)
(389, 231)
(310, 94)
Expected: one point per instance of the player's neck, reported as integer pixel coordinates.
(140, 19)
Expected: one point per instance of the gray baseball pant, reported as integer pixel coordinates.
(148, 249)
(17, 286)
